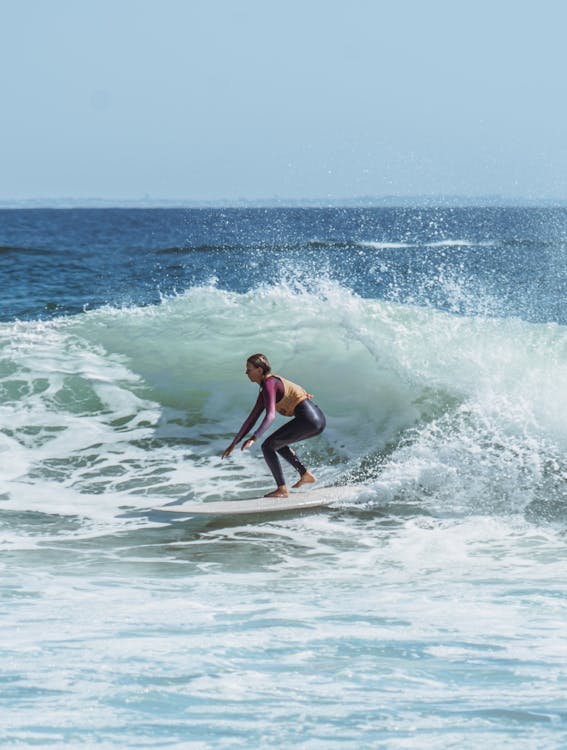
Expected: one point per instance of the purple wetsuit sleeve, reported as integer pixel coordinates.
(269, 393)
(252, 418)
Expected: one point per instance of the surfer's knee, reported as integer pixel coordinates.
(272, 445)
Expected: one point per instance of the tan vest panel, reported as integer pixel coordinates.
(293, 395)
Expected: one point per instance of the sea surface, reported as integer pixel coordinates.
(430, 611)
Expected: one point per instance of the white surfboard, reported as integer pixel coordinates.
(315, 498)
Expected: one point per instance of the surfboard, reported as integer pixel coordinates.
(315, 498)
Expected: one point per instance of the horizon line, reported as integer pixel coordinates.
(366, 201)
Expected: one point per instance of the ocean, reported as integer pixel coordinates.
(428, 612)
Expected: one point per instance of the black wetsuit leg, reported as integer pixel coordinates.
(308, 421)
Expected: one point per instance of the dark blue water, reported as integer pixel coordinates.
(488, 261)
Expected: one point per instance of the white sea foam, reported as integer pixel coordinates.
(385, 245)
(377, 245)
(449, 243)
(389, 633)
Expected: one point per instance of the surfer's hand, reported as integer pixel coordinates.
(248, 443)
(228, 451)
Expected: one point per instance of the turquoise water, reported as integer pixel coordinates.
(427, 612)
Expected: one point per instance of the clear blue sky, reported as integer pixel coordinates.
(228, 99)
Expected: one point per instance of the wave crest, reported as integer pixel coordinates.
(453, 412)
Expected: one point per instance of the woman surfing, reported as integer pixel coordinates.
(290, 400)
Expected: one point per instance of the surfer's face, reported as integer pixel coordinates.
(255, 374)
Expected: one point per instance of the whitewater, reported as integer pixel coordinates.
(427, 612)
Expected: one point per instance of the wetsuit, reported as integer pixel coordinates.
(308, 421)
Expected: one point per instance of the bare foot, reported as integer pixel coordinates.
(306, 478)
(278, 493)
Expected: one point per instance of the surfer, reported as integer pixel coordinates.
(290, 400)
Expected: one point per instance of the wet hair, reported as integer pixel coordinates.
(260, 360)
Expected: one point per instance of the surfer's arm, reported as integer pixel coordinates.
(268, 393)
(266, 400)
(251, 419)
